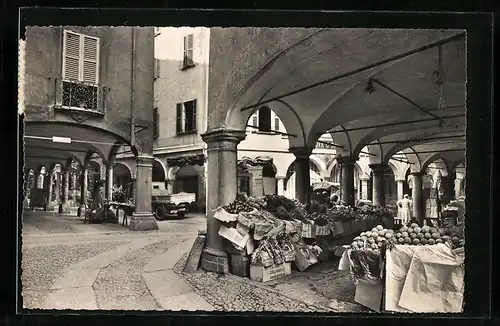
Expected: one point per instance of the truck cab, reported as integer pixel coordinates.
(164, 204)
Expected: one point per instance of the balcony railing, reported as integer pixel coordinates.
(80, 96)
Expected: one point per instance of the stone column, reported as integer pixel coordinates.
(378, 184)
(109, 181)
(400, 184)
(364, 187)
(417, 196)
(221, 190)
(58, 188)
(281, 185)
(143, 218)
(51, 190)
(83, 191)
(302, 173)
(347, 180)
(65, 203)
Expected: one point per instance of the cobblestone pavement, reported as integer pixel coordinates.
(70, 265)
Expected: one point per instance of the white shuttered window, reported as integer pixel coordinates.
(80, 58)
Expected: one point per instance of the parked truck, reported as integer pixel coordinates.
(164, 204)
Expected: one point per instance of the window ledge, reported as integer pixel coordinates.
(79, 110)
(183, 133)
(186, 67)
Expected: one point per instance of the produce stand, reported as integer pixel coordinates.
(391, 273)
(265, 235)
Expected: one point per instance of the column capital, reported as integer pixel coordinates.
(223, 135)
(364, 178)
(400, 180)
(281, 177)
(301, 152)
(347, 160)
(378, 166)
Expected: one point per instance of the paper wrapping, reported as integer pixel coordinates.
(424, 279)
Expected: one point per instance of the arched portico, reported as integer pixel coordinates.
(327, 79)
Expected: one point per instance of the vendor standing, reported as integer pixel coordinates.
(405, 206)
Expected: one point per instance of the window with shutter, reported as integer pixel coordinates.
(265, 119)
(80, 71)
(276, 124)
(188, 51)
(178, 123)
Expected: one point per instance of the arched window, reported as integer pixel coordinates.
(265, 119)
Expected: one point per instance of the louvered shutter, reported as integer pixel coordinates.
(194, 115)
(71, 67)
(276, 124)
(178, 124)
(90, 60)
(255, 121)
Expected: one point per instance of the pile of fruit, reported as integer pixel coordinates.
(428, 236)
(342, 213)
(374, 239)
(238, 206)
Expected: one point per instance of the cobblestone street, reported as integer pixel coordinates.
(70, 265)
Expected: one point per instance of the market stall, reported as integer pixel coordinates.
(413, 269)
(265, 235)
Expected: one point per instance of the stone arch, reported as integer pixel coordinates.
(413, 157)
(395, 170)
(159, 170)
(238, 120)
(172, 170)
(320, 164)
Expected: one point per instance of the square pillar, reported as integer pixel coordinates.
(221, 190)
(83, 191)
(347, 181)
(109, 181)
(378, 183)
(281, 185)
(143, 219)
(302, 173)
(417, 196)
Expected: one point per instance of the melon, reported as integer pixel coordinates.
(357, 238)
(456, 241)
(380, 227)
(425, 229)
(388, 235)
(423, 241)
(381, 233)
(410, 230)
(445, 237)
(373, 246)
(385, 231)
(371, 240)
(414, 225)
(420, 235)
(416, 241)
(374, 230)
(442, 232)
(413, 235)
(427, 235)
(417, 230)
(360, 244)
(380, 244)
(379, 239)
(363, 238)
(401, 240)
(362, 234)
(407, 240)
(368, 234)
(398, 235)
(405, 234)
(432, 241)
(439, 241)
(435, 235)
(432, 230)
(403, 229)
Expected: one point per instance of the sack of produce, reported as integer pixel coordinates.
(224, 216)
(245, 224)
(304, 257)
(261, 256)
(261, 229)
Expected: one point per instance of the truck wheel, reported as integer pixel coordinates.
(181, 214)
(160, 212)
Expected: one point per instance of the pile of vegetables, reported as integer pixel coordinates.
(367, 212)
(239, 205)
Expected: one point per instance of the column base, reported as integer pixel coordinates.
(81, 211)
(65, 208)
(143, 222)
(214, 261)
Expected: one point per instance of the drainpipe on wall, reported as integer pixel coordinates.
(132, 84)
